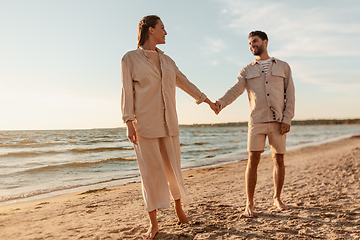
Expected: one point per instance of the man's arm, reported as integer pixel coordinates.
(284, 128)
(289, 97)
(233, 93)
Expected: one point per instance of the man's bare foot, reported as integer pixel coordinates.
(280, 205)
(151, 233)
(249, 211)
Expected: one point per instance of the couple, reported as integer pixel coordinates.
(149, 78)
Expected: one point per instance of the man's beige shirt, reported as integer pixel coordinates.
(271, 96)
(148, 95)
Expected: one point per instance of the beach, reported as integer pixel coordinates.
(321, 189)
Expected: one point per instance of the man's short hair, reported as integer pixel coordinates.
(260, 34)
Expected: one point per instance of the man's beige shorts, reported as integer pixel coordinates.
(257, 136)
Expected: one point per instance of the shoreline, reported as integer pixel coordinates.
(228, 159)
(321, 190)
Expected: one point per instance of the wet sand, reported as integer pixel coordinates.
(321, 189)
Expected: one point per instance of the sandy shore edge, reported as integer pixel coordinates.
(321, 189)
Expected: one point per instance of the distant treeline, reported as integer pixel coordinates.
(294, 122)
(326, 122)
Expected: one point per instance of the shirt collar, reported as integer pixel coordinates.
(142, 51)
(257, 62)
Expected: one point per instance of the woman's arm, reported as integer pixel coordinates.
(131, 132)
(127, 95)
(127, 101)
(184, 84)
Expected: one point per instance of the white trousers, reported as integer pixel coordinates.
(160, 170)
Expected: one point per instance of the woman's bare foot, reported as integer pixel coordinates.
(280, 205)
(249, 211)
(151, 233)
(182, 217)
(154, 227)
(180, 212)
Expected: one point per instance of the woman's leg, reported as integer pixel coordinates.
(180, 212)
(154, 227)
(170, 152)
(153, 178)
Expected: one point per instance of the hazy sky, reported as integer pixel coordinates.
(60, 60)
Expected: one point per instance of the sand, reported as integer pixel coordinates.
(321, 189)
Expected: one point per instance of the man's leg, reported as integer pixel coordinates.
(250, 181)
(279, 176)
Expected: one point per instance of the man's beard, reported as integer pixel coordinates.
(259, 50)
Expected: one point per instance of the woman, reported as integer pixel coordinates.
(149, 78)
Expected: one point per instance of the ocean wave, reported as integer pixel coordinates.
(31, 144)
(73, 165)
(206, 150)
(36, 144)
(102, 149)
(211, 150)
(27, 154)
(76, 150)
(108, 140)
(60, 188)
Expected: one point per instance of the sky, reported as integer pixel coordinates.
(60, 59)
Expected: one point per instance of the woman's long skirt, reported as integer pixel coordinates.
(160, 170)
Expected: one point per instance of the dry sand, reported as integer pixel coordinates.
(321, 190)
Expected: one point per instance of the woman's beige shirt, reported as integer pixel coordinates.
(148, 95)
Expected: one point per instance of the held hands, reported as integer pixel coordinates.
(218, 107)
(212, 106)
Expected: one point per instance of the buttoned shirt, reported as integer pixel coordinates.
(271, 96)
(148, 95)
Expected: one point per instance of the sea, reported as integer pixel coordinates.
(46, 163)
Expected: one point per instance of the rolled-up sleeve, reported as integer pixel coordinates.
(289, 109)
(127, 94)
(184, 84)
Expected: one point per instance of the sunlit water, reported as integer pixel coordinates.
(43, 163)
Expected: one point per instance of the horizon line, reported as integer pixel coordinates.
(294, 122)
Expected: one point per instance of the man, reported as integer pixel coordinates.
(271, 96)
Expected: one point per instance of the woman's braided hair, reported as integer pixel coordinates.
(143, 28)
